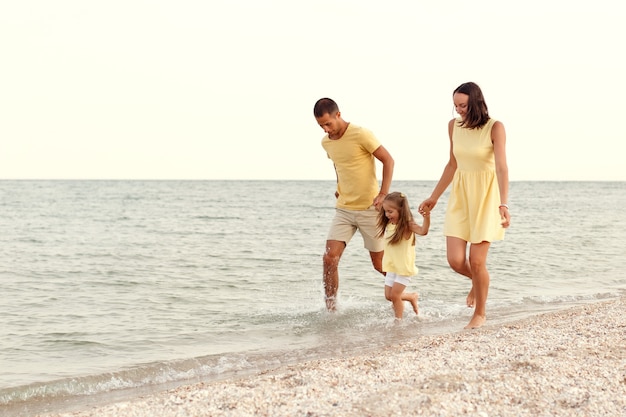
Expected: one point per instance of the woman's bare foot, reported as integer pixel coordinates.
(412, 298)
(470, 298)
(476, 322)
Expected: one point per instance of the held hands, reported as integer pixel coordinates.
(423, 229)
(378, 200)
(424, 212)
(427, 205)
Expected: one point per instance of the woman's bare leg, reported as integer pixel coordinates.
(480, 282)
(456, 250)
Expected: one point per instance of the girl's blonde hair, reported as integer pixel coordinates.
(403, 228)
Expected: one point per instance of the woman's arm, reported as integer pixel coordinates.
(498, 137)
(445, 180)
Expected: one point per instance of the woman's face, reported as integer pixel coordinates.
(460, 104)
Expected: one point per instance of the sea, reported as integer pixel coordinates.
(113, 289)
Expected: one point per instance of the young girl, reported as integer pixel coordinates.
(396, 225)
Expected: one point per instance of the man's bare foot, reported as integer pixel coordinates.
(470, 298)
(476, 322)
(331, 303)
(413, 300)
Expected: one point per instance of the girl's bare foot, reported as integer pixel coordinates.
(476, 322)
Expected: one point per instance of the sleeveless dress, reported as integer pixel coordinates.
(472, 213)
(400, 257)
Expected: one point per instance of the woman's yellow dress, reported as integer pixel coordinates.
(473, 213)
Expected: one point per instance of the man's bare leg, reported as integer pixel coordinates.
(377, 261)
(332, 255)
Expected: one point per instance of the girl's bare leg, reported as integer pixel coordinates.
(412, 298)
(397, 297)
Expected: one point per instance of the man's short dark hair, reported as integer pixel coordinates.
(325, 105)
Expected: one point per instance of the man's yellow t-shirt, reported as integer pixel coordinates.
(354, 162)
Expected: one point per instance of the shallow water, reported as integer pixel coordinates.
(117, 285)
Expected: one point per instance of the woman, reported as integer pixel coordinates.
(477, 211)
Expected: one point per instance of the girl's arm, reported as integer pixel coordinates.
(423, 229)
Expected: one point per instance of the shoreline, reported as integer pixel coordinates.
(567, 362)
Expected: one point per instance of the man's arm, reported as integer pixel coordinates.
(387, 160)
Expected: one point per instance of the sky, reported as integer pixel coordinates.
(224, 89)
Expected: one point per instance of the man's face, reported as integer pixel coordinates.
(330, 124)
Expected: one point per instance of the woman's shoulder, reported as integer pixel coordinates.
(497, 123)
(491, 121)
(497, 130)
(451, 124)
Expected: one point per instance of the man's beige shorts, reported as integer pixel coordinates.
(346, 223)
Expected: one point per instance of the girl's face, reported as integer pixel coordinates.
(460, 104)
(391, 212)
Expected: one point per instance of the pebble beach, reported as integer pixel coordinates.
(565, 363)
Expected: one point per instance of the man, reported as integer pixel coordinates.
(353, 151)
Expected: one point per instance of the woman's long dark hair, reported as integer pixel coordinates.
(477, 114)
